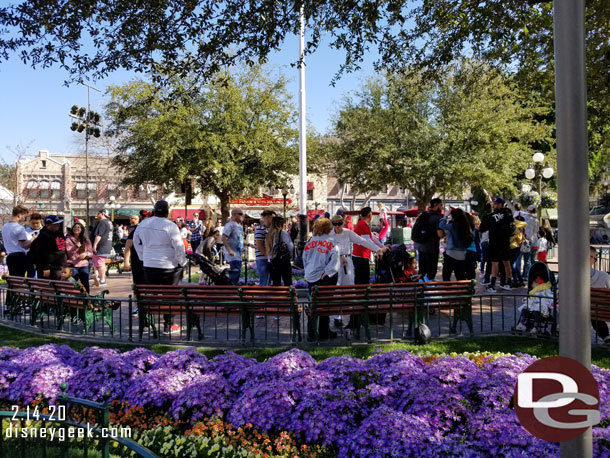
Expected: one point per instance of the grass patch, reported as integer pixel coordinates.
(505, 344)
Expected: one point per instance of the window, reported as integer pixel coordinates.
(92, 188)
(123, 193)
(44, 190)
(32, 188)
(81, 190)
(142, 194)
(310, 194)
(55, 189)
(43, 164)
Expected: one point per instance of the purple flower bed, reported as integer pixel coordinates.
(393, 404)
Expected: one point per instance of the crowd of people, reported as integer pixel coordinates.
(504, 244)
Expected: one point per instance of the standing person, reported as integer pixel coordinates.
(159, 245)
(32, 232)
(599, 279)
(542, 245)
(196, 228)
(459, 237)
(384, 223)
(344, 238)
(79, 249)
(233, 242)
(531, 233)
(517, 211)
(473, 252)
(348, 223)
(219, 227)
(279, 250)
(516, 241)
(321, 264)
(49, 249)
(132, 262)
(260, 234)
(362, 272)
(16, 242)
(500, 224)
(101, 239)
(425, 235)
(184, 233)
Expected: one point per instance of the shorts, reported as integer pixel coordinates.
(499, 254)
(99, 261)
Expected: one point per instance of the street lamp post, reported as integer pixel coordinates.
(113, 204)
(89, 121)
(285, 192)
(535, 173)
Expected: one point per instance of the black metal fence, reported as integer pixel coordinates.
(230, 323)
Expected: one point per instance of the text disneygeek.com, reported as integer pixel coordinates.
(16, 429)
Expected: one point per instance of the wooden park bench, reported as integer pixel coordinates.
(18, 296)
(414, 299)
(600, 304)
(197, 302)
(61, 299)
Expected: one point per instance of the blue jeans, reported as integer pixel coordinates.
(82, 274)
(264, 272)
(515, 258)
(528, 259)
(234, 271)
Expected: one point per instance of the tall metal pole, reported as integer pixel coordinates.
(573, 195)
(87, 122)
(539, 185)
(302, 143)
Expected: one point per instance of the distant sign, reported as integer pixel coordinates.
(259, 202)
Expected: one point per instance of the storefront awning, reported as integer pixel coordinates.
(129, 211)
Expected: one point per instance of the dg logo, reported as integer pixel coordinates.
(557, 399)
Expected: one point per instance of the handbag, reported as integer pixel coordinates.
(525, 246)
(281, 254)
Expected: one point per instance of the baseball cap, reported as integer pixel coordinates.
(267, 212)
(103, 211)
(237, 211)
(161, 206)
(531, 208)
(53, 219)
(499, 200)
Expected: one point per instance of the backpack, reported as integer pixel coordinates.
(420, 233)
(281, 254)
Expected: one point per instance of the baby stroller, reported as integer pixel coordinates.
(392, 264)
(539, 313)
(212, 273)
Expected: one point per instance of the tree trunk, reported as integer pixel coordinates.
(341, 196)
(423, 200)
(353, 204)
(367, 197)
(224, 206)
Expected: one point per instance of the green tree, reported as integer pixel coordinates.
(231, 136)
(429, 137)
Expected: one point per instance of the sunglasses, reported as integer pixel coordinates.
(337, 224)
(240, 214)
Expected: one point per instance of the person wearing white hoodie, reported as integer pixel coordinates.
(531, 233)
(321, 262)
(599, 279)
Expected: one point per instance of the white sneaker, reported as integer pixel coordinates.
(533, 330)
(506, 287)
(521, 327)
(485, 283)
(490, 290)
(606, 340)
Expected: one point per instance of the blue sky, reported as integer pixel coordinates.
(35, 103)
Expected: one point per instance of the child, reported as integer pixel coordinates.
(410, 274)
(542, 245)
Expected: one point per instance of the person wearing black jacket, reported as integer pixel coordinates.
(500, 224)
(49, 249)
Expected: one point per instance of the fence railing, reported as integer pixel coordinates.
(71, 425)
(223, 324)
